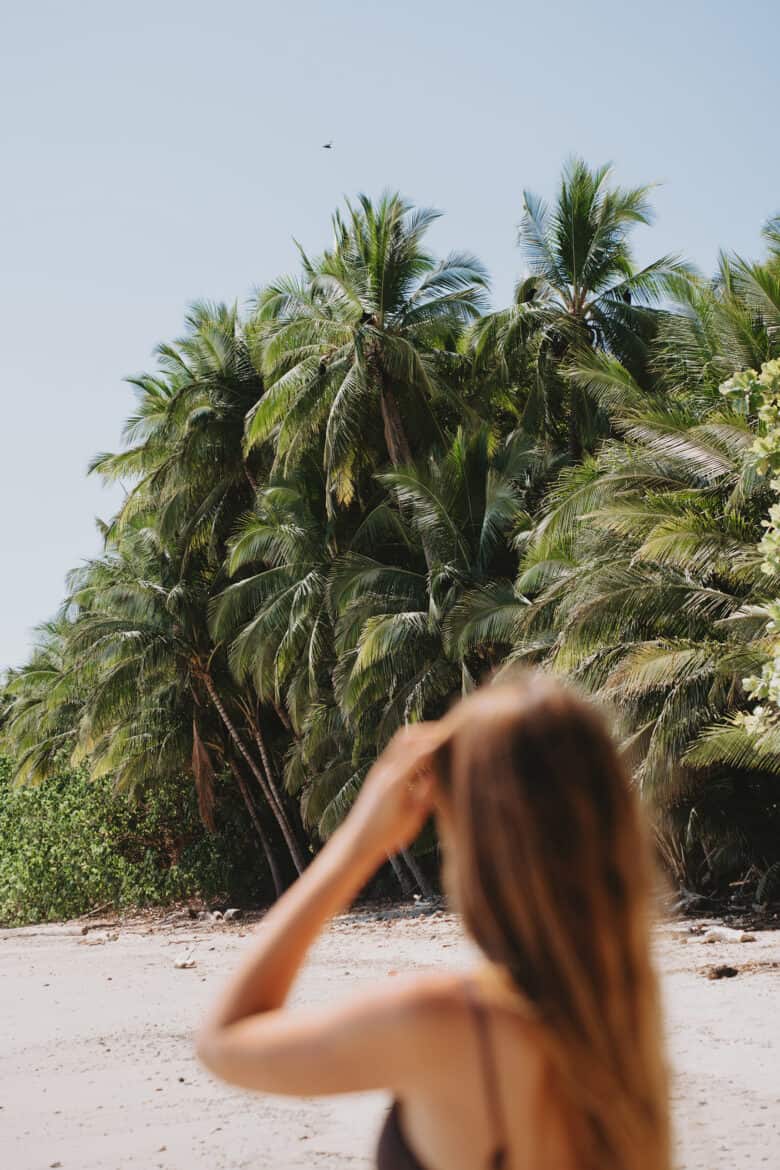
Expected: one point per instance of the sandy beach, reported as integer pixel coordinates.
(97, 1068)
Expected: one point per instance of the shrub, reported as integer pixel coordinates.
(71, 844)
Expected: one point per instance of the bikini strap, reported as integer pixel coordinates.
(490, 1074)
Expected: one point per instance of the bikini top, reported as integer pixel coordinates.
(394, 1152)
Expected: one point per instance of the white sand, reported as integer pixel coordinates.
(97, 1071)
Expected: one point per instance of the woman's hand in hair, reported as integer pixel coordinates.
(397, 795)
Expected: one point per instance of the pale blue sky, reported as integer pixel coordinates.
(157, 152)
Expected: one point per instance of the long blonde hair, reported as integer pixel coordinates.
(554, 881)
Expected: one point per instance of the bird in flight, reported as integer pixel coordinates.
(328, 145)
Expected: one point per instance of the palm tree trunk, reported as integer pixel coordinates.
(270, 773)
(575, 439)
(426, 888)
(258, 825)
(395, 436)
(281, 819)
(397, 443)
(401, 875)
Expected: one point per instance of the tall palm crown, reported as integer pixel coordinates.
(185, 439)
(42, 706)
(275, 612)
(141, 647)
(582, 291)
(395, 613)
(352, 350)
(719, 326)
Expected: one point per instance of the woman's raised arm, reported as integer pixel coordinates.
(248, 1039)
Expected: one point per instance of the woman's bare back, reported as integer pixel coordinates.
(491, 1101)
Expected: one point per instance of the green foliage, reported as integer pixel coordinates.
(71, 843)
(357, 350)
(369, 495)
(582, 293)
(759, 394)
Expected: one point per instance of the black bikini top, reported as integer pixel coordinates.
(394, 1152)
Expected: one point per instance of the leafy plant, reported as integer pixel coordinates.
(71, 843)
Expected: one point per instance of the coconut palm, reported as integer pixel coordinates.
(58, 712)
(582, 290)
(278, 622)
(321, 602)
(190, 475)
(352, 350)
(274, 616)
(716, 328)
(193, 478)
(43, 705)
(397, 660)
(140, 641)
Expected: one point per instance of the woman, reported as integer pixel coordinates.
(546, 1056)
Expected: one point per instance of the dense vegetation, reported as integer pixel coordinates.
(73, 844)
(367, 493)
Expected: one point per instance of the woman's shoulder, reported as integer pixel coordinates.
(440, 1019)
(447, 997)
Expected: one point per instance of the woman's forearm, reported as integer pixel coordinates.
(331, 882)
(390, 810)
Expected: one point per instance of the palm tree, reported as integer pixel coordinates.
(582, 291)
(321, 603)
(274, 615)
(58, 712)
(140, 642)
(43, 706)
(397, 660)
(193, 478)
(352, 349)
(278, 622)
(185, 454)
(716, 328)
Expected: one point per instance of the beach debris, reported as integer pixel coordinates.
(233, 913)
(722, 971)
(184, 962)
(726, 934)
(99, 940)
(88, 926)
(718, 934)
(210, 916)
(95, 910)
(675, 930)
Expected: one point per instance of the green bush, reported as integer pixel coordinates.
(71, 844)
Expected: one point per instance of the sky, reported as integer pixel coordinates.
(159, 152)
